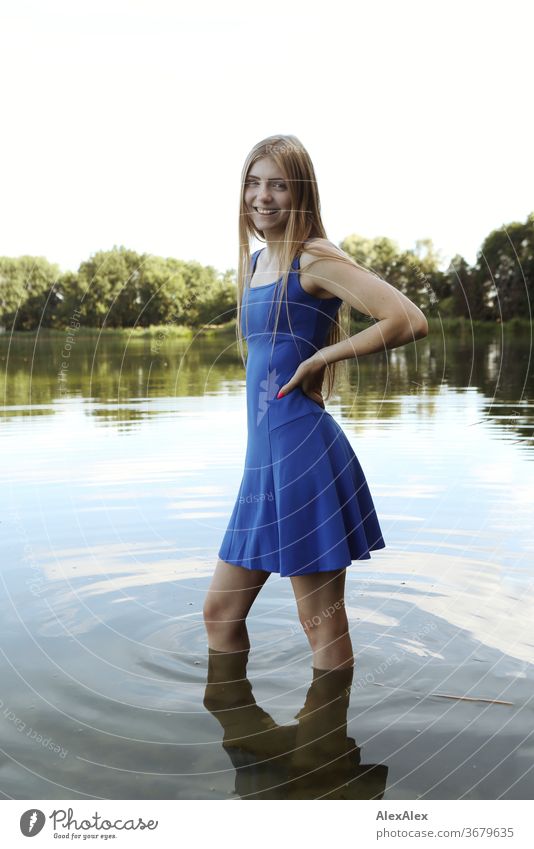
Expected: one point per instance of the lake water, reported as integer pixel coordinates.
(117, 485)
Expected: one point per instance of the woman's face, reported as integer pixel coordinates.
(266, 195)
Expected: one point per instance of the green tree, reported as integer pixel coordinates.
(28, 295)
(504, 270)
(468, 298)
(414, 272)
(108, 289)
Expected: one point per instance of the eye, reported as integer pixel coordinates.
(280, 185)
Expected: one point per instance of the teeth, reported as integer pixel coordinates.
(266, 211)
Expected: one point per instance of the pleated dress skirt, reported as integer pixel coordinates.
(303, 503)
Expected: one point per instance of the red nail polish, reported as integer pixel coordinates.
(280, 394)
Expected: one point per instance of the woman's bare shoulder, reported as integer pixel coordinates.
(327, 250)
(325, 246)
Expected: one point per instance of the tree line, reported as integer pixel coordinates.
(122, 288)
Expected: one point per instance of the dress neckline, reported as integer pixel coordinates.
(266, 285)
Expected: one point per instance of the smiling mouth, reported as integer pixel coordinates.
(263, 211)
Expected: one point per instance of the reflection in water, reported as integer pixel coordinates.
(125, 381)
(118, 483)
(312, 760)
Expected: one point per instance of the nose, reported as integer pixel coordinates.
(263, 191)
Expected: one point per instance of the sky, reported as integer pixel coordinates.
(126, 122)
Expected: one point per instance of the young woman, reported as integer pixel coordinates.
(303, 509)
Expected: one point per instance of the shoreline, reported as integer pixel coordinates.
(182, 331)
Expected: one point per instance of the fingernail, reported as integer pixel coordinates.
(279, 394)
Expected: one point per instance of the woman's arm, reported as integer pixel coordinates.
(399, 321)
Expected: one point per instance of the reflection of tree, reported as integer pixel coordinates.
(116, 371)
(311, 760)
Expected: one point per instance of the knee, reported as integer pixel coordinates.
(214, 611)
(328, 624)
(219, 612)
(209, 610)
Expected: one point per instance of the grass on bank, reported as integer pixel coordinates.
(164, 332)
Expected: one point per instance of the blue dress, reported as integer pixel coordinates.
(303, 503)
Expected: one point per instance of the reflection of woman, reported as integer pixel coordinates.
(314, 759)
(304, 509)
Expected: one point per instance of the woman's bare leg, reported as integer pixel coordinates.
(229, 598)
(320, 598)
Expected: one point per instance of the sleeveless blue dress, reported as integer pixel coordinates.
(303, 504)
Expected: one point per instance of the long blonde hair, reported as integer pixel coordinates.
(304, 224)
